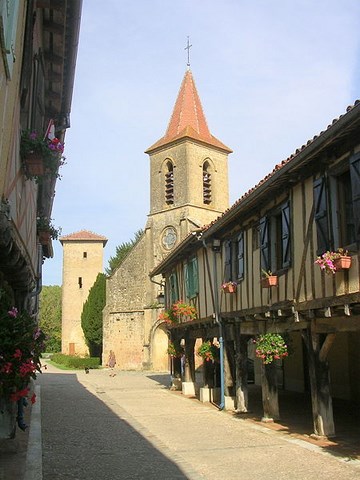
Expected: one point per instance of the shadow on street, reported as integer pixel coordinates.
(84, 439)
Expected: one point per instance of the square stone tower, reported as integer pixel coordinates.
(82, 262)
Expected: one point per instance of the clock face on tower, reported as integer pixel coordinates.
(168, 238)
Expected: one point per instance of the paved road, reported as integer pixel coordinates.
(95, 427)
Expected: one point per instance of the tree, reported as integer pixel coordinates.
(91, 316)
(50, 317)
(121, 252)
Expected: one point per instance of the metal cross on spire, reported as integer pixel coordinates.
(188, 51)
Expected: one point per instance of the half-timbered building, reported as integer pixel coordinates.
(307, 206)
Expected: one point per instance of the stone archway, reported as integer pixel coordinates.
(159, 346)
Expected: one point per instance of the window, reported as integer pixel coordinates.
(8, 22)
(337, 207)
(84, 254)
(191, 278)
(234, 258)
(275, 242)
(80, 282)
(169, 184)
(206, 183)
(173, 289)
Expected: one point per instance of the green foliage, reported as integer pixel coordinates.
(208, 351)
(121, 252)
(50, 317)
(270, 347)
(71, 361)
(91, 316)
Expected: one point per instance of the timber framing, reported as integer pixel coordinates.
(281, 226)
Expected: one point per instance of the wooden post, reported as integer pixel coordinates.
(229, 367)
(322, 410)
(270, 395)
(241, 374)
(189, 359)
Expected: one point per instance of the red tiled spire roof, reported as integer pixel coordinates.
(188, 119)
(84, 235)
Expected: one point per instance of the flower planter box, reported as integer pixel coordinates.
(229, 288)
(342, 263)
(34, 164)
(44, 237)
(270, 281)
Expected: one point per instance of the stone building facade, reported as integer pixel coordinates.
(188, 188)
(82, 262)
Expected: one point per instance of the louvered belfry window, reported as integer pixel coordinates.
(169, 184)
(206, 184)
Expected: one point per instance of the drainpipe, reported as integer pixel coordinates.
(216, 249)
(38, 289)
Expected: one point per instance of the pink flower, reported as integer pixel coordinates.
(7, 368)
(18, 353)
(13, 312)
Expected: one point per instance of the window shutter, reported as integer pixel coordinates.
(321, 215)
(195, 276)
(240, 257)
(355, 187)
(174, 296)
(285, 228)
(227, 273)
(187, 281)
(8, 24)
(264, 244)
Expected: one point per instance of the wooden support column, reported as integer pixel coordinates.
(189, 373)
(270, 397)
(241, 374)
(229, 367)
(317, 352)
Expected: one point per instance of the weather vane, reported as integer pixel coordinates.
(188, 51)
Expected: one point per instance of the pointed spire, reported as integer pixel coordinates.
(188, 119)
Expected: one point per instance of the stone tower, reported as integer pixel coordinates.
(82, 261)
(188, 188)
(188, 174)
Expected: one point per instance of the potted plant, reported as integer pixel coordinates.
(331, 262)
(229, 287)
(208, 351)
(268, 280)
(46, 230)
(270, 347)
(21, 344)
(179, 312)
(40, 156)
(175, 350)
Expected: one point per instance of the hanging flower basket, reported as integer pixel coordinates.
(342, 263)
(41, 156)
(269, 281)
(44, 237)
(229, 287)
(270, 347)
(208, 351)
(46, 230)
(331, 262)
(175, 350)
(179, 312)
(34, 164)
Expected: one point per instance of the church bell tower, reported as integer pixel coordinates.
(188, 173)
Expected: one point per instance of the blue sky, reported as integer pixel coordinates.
(270, 76)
